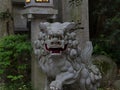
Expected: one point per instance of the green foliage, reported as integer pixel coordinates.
(103, 66)
(100, 89)
(108, 42)
(5, 15)
(14, 78)
(108, 47)
(101, 46)
(15, 54)
(16, 86)
(105, 27)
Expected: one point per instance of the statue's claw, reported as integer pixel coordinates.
(53, 88)
(56, 85)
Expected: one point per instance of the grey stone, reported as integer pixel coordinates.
(76, 14)
(62, 61)
(116, 85)
(5, 7)
(107, 67)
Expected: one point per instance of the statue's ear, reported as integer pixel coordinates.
(43, 26)
(69, 26)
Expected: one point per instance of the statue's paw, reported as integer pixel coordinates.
(56, 85)
(53, 88)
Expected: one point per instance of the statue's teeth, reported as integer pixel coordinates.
(62, 46)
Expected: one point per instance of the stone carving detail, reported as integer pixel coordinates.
(67, 66)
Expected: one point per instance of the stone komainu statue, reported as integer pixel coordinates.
(66, 65)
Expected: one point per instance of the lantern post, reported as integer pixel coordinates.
(37, 11)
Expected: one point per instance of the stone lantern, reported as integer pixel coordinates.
(37, 11)
(39, 8)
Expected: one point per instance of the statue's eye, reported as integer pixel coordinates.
(53, 36)
(49, 37)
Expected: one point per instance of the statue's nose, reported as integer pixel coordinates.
(55, 39)
(56, 43)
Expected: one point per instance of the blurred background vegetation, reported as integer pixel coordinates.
(105, 27)
(104, 19)
(15, 62)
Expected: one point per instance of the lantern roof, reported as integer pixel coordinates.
(40, 9)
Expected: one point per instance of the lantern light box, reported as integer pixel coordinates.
(39, 8)
(38, 1)
(27, 1)
(42, 1)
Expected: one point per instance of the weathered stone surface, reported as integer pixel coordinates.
(79, 13)
(108, 69)
(20, 23)
(5, 24)
(116, 85)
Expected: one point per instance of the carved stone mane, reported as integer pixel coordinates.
(66, 65)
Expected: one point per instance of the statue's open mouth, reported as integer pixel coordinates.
(55, 50)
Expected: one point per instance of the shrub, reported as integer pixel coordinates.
(15, 54)
(108, 42)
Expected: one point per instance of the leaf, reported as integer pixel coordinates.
(1, 71)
